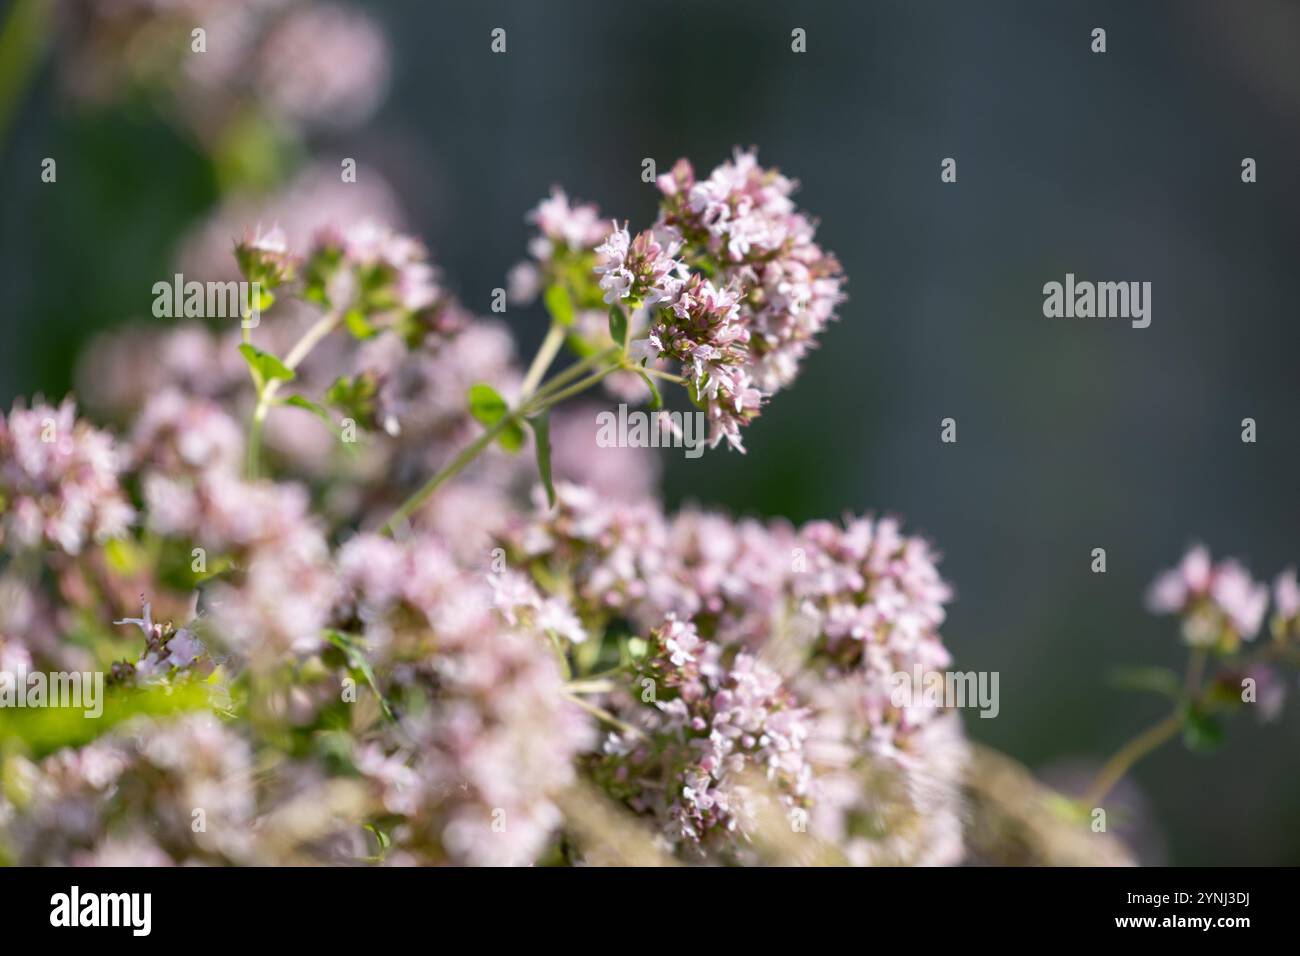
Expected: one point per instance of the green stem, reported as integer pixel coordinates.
(552, 398)
(453, 468)
(1151, 738)
(266, 397)
(588, 686)
(603, 715)
(542, 360)
(574, 371)
(542, 400)
(255, 439)
(1128, 755)
(1195, 673)
(656, 373)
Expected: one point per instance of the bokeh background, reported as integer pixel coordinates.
(1072, 434)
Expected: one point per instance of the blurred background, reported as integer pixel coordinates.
(1072, 434)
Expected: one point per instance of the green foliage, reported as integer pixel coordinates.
(349, 646)
(618, 327)
(559, 305)
(656, 400)
(307, 405)
(541, 425)
(354, 396)
(1202, 731)
(43, 730)
(1154, 680)
(489, 408)
(263, 366)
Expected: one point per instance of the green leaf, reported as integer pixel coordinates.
(382, 838)
(358, 324)
(1202, 732)
(580, 346)
(512, 438)
(45, 729)
(559, 305)
(542, 428)
(488, 408)
(656, 400)
(124, 556)
(486, 404)
(264, 366)
(705, 266)
(1155, 680)
(307, 405)
(357, 661)
(354, 397)
(618, 326)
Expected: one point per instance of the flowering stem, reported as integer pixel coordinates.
(542, 400)
(1195, 672)
(575, 370)
(1151, 738)
(542, 361)
(656, 373)
(1128, 755)
(589, 686)
(603, 715)
(301, 349)
(553, 398)
(453, 468)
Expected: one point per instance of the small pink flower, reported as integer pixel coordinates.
(1220, 604)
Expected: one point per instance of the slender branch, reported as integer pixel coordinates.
(1152, 737)
(574, 371)
(1195, 673)
(311, 338)
(656, 373)
(542, 360)
(1128, 755)
(587, 686)
(542, 400)
(553, 398)
(448, 471)
(603, 715)
(301, 349)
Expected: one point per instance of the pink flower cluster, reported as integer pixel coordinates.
(58, 480)
(486, 737)
(728, 282)
(845, 608)
(1286, 606)
(873, 603)
(743, 219)
(566, 232)
(722, 719)
(428, 697)
(1220, 604)
(131, 798)
(307, 65)
(278, 599)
